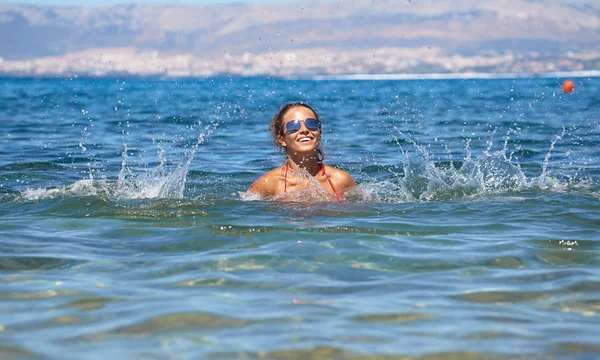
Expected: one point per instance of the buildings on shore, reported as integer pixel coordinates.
(297, 63)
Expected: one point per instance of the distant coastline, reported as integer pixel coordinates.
(371, 64)
(463, 76)
(345, 77)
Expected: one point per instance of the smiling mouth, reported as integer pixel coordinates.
(305, 140)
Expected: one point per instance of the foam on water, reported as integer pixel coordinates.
(153, 185)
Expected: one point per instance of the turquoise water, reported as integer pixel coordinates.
(126, 232)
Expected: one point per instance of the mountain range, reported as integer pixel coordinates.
(464, 27)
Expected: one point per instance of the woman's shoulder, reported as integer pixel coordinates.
(342, 179)
(267, 184)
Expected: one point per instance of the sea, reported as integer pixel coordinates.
(127, 232)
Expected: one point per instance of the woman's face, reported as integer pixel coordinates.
(304, 140)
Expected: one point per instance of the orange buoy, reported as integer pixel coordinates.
(568, 86)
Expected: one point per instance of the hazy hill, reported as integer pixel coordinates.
(465, 26)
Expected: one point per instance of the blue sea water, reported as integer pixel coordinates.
(126, 230)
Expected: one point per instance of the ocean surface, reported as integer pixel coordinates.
(126, 231)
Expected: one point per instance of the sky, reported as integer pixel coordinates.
(93, 3)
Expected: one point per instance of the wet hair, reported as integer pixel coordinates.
(276, 126)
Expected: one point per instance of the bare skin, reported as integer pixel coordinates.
(304, 169)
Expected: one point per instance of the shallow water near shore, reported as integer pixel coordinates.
(126, 230)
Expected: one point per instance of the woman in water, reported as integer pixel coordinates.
(296, 129)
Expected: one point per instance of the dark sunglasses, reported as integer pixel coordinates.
(294, 126)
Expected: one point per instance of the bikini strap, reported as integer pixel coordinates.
(338, 196)
(285, 179)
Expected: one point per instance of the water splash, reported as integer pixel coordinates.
(543, 179)
(492, 173)
(162, 182)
